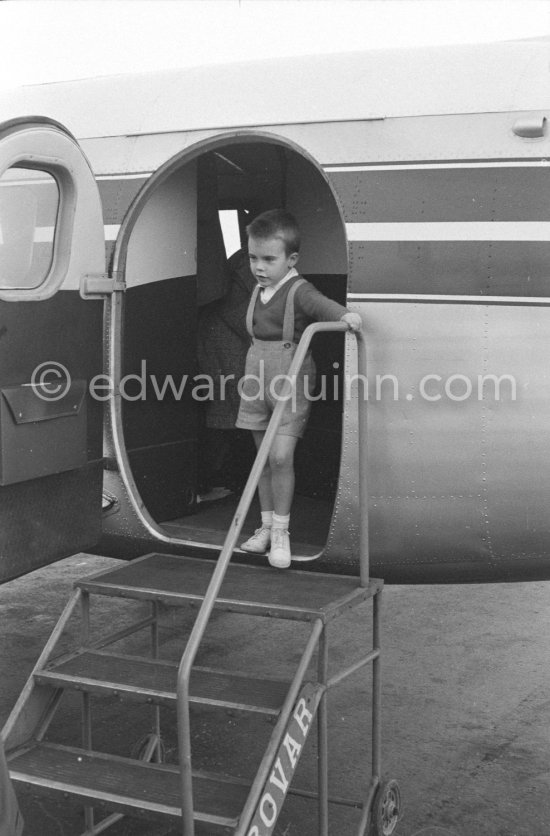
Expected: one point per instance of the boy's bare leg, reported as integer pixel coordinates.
(281, 461)
(260, 541)
(265, 492)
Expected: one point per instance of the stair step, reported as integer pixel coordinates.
(259, 590)
(130, 786)
(154, 680)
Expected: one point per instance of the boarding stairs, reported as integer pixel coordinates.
(193, 801)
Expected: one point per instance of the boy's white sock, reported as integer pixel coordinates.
(280, 521)
(267, 519)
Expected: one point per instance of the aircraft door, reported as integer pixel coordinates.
(52, 255)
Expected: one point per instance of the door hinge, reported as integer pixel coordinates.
(95, 285)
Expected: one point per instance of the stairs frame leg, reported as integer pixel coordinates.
(376, 716)
(377, 688)
(86, 726)
(322, 735)
(157, 754)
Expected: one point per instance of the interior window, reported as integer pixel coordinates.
(29, 204)
(229, 220)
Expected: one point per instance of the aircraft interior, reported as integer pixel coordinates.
(183, 322)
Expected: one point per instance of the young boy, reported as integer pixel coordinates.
(281, 306)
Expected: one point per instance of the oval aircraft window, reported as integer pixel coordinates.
(29, 205)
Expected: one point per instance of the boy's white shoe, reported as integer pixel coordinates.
(259, 542)
(279, 556)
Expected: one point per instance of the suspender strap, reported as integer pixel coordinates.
(250, 310)
(288, 322)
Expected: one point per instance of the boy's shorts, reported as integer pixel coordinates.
(260, 388)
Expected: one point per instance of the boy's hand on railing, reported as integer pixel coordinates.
(353, 320)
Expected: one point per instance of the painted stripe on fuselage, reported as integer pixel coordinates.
(450, 231)
(457, 268)
(438, 298)
(138, 175)
(445, 194)
(111, 231)
(467, 231)
(44, 234)
(423, 166)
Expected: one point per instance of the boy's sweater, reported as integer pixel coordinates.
(310, 305)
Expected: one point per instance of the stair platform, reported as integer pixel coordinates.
(130, 786)
(259, 590)
(154, 681)
(200, 803)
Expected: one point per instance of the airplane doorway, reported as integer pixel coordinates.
(177, 275)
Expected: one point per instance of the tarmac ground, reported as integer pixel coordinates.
(466, 704)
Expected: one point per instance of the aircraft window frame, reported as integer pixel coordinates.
(45, 207)
(60, 260)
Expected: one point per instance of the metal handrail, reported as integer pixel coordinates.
(203, 616)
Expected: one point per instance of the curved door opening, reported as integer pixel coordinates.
(188, 285)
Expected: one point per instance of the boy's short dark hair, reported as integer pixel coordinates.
(276, 223)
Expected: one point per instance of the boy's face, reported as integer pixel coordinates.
(268, 260)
